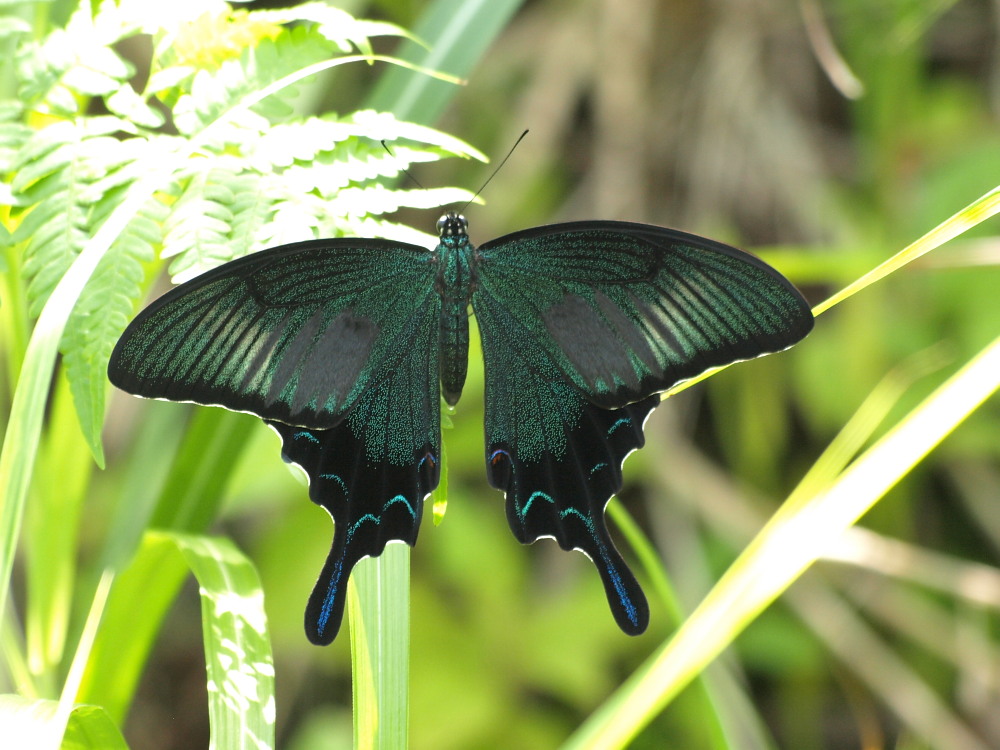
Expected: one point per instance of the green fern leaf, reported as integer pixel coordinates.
(75, 61)
(13, 137)
(252, 208)
(215, 92)
(101, 314)
(338, 26)
(378, 199)
(54, 174)
(128, 104)
(197, 230)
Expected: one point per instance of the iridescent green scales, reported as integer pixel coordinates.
(345, 347)
(240, 337)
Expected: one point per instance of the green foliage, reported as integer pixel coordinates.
(244, 190)
(205, 162)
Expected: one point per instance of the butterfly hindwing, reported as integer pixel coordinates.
(373, 471)
(294, 333)
(626, 310)
(557, 457)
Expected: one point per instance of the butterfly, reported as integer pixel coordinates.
(346, 346)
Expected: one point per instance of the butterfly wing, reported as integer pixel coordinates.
(625, 310)
(335, 344)
(374, 470)
(557, 456)
(581, 324)
(294, 334)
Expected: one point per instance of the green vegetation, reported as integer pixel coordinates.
(840, 140)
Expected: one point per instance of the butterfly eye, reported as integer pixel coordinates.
(452, 225)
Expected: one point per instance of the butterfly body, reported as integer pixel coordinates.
(455, 283)
(346, 346)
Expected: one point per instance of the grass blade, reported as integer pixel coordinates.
(783, 550)
(241, 707)
(977, 212)
(456, 34)
(379, 612)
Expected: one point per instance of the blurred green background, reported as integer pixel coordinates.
(823, 135)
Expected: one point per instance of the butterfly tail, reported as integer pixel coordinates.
(372, 504)
(625, 597)
(325, 610)
(564, 496)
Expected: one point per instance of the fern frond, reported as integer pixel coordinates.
(198, 226)
(103, 311)
(386, 126)
(55, 174)
(376, 200)
(252, 208)
(14, 135)
(247, 178)
(128, 104)
(217, 91)
(353, 144)
(77, 61)
(298, 181)
(344, 30)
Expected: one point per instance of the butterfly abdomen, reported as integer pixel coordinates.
(455, 282)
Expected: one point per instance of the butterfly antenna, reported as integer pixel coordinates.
(404, 169)
(498, 168)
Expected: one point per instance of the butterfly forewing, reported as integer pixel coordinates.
(293, 334)
(626, 310)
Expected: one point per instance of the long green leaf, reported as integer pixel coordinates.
(379, 596)
(237, 644)
(140, 598)
(783, 550)
(241, 708)
(456, 35)
(50, 550)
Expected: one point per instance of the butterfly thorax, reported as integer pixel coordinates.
(455, 283)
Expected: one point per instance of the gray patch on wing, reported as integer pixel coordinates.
(594, 348)
(627, 330)
(339, 355)
(323, 360)
(284, 356)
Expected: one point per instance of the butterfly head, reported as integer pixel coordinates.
(452, 225)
